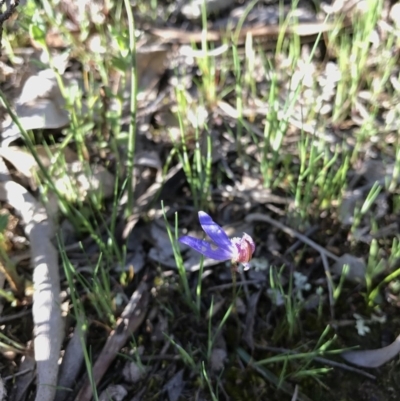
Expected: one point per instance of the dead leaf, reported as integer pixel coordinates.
(71, 364)
(23, 381)
(135, 261)
(175, 386)
(22, 160)
(84, 11)
(115, 392)
(151, 65)
(356, 271)
(132, 372)
(348, 205)
(159, 329)
(394, 14)
(77, 181)
(163, 184)
(376, 171)
(373, 358)
(215, 307)
(241, 308)
(6, 72)
(40, 106)
(151, 62)
(218, 359)
(192, 9)
(269, 14)
(162, 251)
(25, 163)
(219, 352)
(148, 159)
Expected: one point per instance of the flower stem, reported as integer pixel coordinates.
(234, 289)
(235, 314)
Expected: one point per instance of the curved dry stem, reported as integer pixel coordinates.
(48, 323)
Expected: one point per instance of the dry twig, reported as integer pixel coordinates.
(131, 318)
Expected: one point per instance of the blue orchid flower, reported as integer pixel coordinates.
(237, 250)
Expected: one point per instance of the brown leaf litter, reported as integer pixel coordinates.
(232, 202)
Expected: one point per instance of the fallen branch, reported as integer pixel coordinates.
(48, 323)
(268, 32)
(131, 318)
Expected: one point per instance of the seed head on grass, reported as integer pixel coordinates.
(237, 250)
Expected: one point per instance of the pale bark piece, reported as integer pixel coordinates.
(48, 323)
(131, 318)
(373, 358)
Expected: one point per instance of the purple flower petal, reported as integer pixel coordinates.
(246, 237)
(214, 231)
(205, 248)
